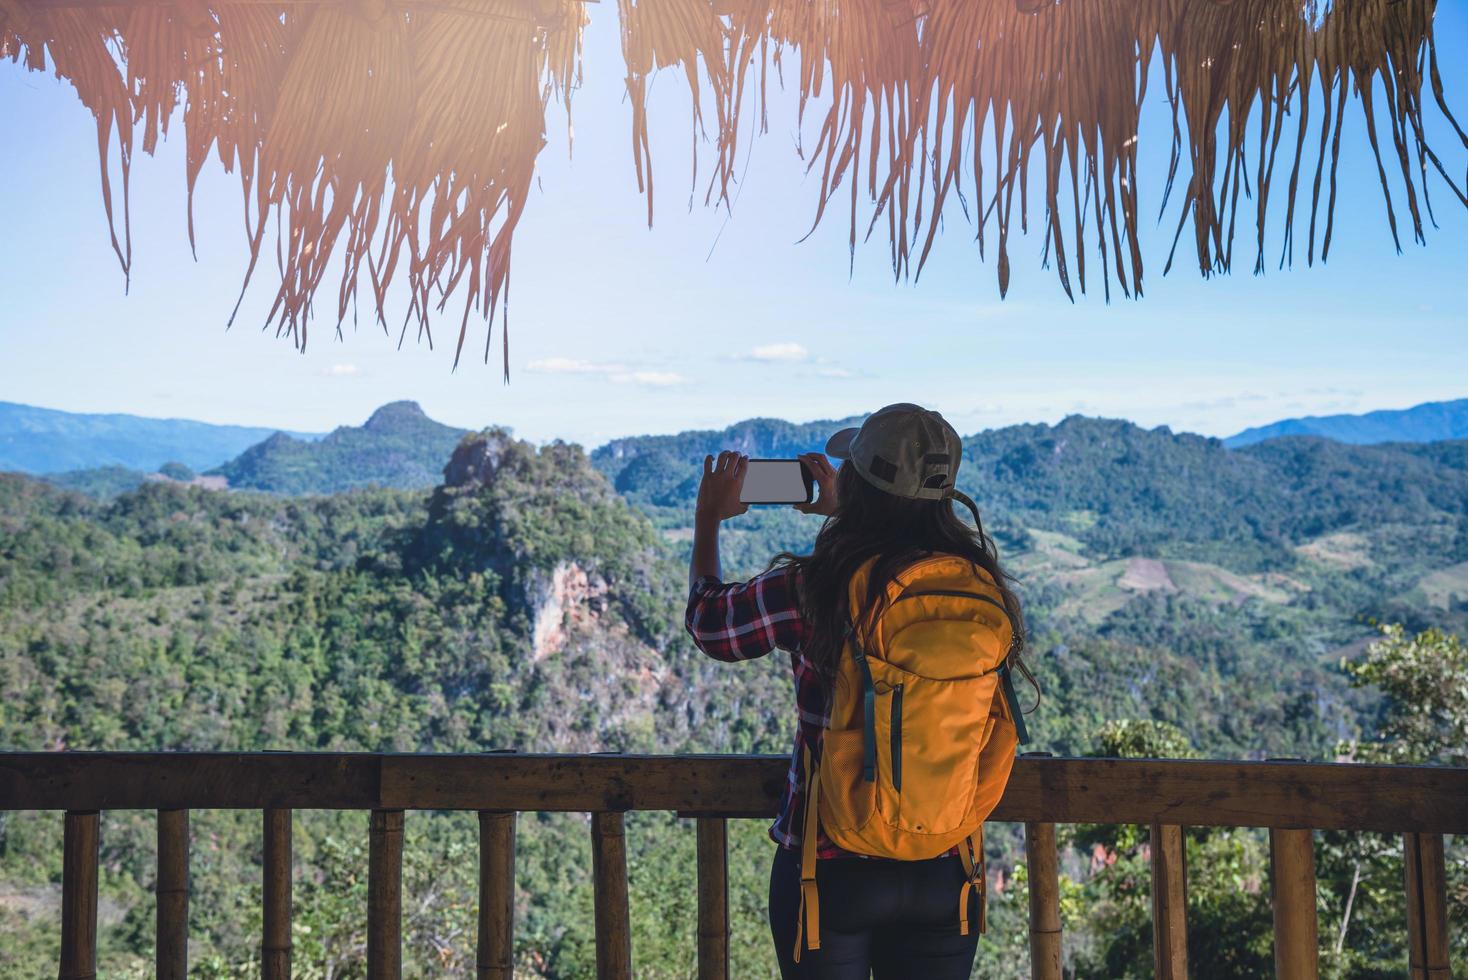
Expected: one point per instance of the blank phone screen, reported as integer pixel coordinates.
(773, 481)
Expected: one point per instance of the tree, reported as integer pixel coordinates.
(1423, 719)
(1425, 681)
(1142, 738)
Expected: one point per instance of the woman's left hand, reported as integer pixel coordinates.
(718, 491)
(825, 474)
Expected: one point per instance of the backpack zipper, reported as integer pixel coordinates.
(954, 594)
(897, 738)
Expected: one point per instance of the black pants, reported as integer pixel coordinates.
(892, 919)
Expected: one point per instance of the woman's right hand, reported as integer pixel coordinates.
(820, 467)
(718, 492)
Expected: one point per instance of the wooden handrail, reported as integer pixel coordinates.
(1290, 798)
(1322, 796)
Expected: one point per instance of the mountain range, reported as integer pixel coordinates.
(1103, 509)
(1428, 422)
(401, 447)
(46, 440)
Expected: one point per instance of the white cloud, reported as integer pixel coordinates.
(650, 379)
(834, 372)
(571, 365)
(787, 351)
(342, 371)
(616, 373)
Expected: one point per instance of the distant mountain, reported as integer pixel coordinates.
(660, 470)
(1120, 489)
(399, 447)
(1429, 422)
(44, 440)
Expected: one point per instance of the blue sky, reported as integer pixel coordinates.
(709, 318)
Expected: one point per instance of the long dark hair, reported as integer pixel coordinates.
(897, 531)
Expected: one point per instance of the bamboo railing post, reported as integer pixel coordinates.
(1427, 907)
(385, 896)
(609, 872)
(1169, 903)
(79, 896)
(495, 958)
(713, 898)
(1292, 888)
(1044, 878)
(171, 959)
(275, 946)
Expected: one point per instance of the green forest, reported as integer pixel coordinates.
(1295, 598)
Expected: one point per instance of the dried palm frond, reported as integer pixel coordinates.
(398, 138)
(84, 48)
(232, 100)
(467, 161)
(343, 109)
(371, 134)
(955, 98)
(665, 33)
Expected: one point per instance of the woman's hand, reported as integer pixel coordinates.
(718, 492)
(718, 500)
(825, 474)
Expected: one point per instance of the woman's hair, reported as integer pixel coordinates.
(897, 531)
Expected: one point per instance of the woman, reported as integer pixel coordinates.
(889, 507)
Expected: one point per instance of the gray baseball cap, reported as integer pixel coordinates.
(903, 449)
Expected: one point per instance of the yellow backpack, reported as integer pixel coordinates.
(923, 729)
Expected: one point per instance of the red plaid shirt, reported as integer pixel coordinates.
(745, 620)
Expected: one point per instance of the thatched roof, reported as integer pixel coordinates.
(400, 136)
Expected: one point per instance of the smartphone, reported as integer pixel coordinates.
(776, 481)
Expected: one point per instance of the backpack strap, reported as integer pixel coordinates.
(808, 917)
(971, 853)
(1011, 699)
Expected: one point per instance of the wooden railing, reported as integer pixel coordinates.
(1289, 798)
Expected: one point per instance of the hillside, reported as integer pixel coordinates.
(44, 440)
(399, 447)
(102, 482)
(1428, 422)
(505, 550)
(107, 482)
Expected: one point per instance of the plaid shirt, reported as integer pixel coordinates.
(745, 620)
